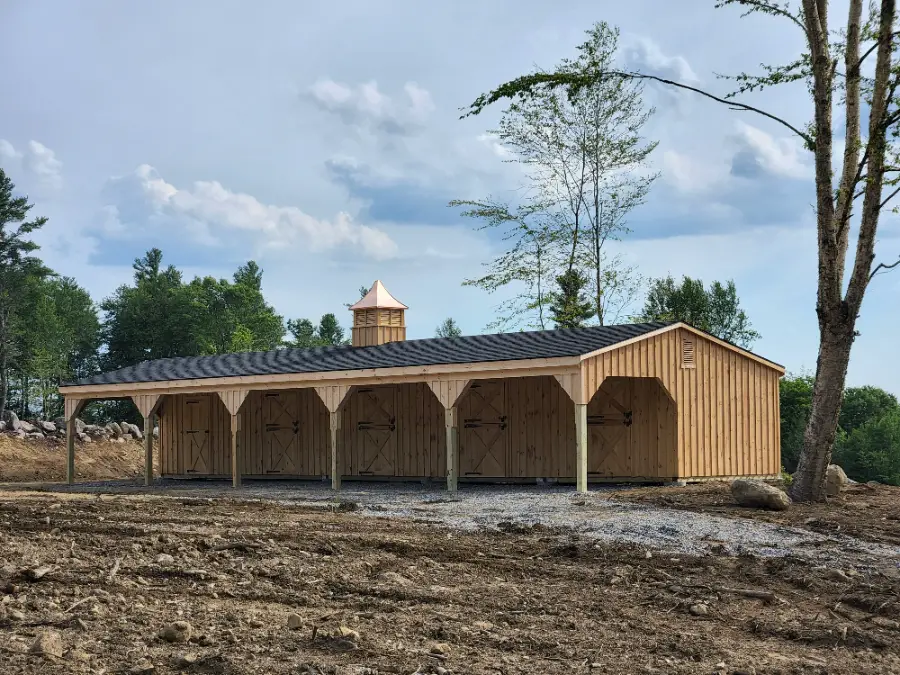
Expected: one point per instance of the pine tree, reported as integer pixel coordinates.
(570, 307)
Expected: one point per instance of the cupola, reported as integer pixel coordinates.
(378, 318)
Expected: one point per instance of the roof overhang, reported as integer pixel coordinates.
(369, 376)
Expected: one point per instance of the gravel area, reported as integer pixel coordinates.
(512, 507)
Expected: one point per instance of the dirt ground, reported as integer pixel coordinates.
(377, 595)
(45, 459)
(864, 511)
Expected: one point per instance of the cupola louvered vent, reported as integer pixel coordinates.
(687, 353)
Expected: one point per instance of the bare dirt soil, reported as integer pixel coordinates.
(870, 512)
(95, 579)
(44, 459)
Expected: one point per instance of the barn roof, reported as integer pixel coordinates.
(427, 352)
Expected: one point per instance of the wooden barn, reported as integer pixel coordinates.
(636, 402)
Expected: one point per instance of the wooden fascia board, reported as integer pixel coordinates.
(370, 376)
(695, 331)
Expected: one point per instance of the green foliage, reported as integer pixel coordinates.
(585, 160)
(796, 402)
(18, 270)
(306, 334)
(448, 328)
(716, 310)
(863, 404)
(234, 316)
(872, 450)
(569, 306)
(867, 445)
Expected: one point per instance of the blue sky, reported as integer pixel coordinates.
(323, 140)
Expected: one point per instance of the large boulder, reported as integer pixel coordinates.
(759, 495)
(60, 422)
(2, 425)
(114, 429)
(27, 427)
(45, 426)
(835, 480)
(11, 419)
(136, 431)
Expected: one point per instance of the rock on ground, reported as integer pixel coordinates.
(835, 480)
(11, 419)
(759, 495)
(46, 427)
(114, 428)
(27, 427)
(177, 631)
(48, 643)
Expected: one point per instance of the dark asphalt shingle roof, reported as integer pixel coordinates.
(428, 352)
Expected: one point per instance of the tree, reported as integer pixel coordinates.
(448, 329)
(795, 404)
(305, 334)
(570, 307)
(527, 265)
(155, 318)
(330, 331)
(872, 450)
(59, 340)
(863, 404)
(831, 66)
(717, 310)
(234, 316)
(18, 268)
(584, 159)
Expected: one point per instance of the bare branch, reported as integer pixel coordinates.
(889, 197)
(883, 266)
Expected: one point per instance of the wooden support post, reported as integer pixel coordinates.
(449, 392)
(235, 463)
(581, 447)
(450, 420)
(333, 397)
(147, 404)
(233, 400)
(70, 446)
(148, 449)
(71, 408)
(335, 457)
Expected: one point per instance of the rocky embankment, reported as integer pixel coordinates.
(120, 432)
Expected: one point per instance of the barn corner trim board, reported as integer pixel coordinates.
(663, 401)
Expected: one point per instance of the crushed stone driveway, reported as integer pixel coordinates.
(510, 507)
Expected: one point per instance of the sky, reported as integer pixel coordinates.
(323, 140)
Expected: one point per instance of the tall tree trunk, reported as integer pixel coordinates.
(828, 390)
(4, 360)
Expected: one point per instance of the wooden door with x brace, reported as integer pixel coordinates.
(281, 433)
(483, 438)
(376, 425)
(196, 452)
(610, 419)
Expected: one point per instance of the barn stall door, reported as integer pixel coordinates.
(281, 437)
(483, 437)
(376, 428)
(195, 414)
(610, 422)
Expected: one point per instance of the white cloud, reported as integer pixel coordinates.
(495, 146)
(37, 160)
(689, 174)
(643, 54)
(366, 107)
(761, 152)
(8, 152)
(210, 213)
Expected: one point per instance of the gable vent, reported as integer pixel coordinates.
(687, 353)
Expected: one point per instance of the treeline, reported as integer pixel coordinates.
(51, 330)
(867, 446)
